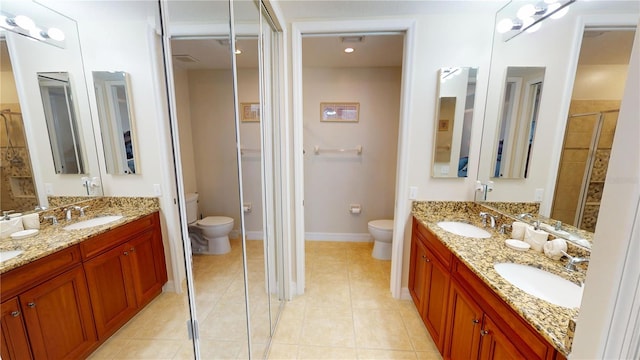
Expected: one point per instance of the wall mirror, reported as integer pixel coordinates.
(62, 123)
(37, 180)
(116, 118)
(518, 118)
(454, 116)
(577, 71)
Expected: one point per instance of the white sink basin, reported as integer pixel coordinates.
(7, 255)
(97, 221)
(541, 284)
(464, 229)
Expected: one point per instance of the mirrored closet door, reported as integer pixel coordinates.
(225, 137)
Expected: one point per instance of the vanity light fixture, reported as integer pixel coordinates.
(24, 25)
(529, 17)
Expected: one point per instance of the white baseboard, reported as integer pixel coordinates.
(345, 237)
(170, 287)
(405, 294)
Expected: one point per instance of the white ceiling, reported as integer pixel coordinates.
(606, 47)
(373, 51)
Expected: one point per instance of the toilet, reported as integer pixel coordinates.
(209, 235)
(382, 232)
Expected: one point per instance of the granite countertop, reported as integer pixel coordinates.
(551, 321)
(52, 238)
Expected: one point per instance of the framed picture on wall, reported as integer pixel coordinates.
(250, 112)
(340, 112)
(443, 125)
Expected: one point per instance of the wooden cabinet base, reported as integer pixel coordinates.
(65, 305)
(465, 318)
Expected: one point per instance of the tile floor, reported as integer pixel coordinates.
(347, 312)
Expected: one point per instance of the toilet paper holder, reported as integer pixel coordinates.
(355, 209)
(246, 207)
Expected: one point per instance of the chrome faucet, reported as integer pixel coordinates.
(54, 220)
(68, 211)
(503, 228)
(535, 223)
(5, 215)
(573, 261)
(82, 209)
(485, 215)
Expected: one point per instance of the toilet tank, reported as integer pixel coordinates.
(192, 207)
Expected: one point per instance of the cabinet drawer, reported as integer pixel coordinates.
(521, 333)
(112, 238)
(431, 241)
(32, 274)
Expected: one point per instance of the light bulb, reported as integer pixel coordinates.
(534, 28)
(238, 52)
(24, 22)
(527, 22)
(526, 11)
(349, 50)
(560, 13)
(553, 8)
(55, 34)
(504, 25)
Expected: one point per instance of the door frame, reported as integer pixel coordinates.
(402, 203)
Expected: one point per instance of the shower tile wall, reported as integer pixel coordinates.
(574, 162)
(17, 188)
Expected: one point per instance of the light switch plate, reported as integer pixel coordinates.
(48, 188)
(157, 190)
(538, 195)
(413, 192)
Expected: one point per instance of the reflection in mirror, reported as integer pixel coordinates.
(519, 114)
(115, 116)
(456, 98)
(62, 123)
(39, 183)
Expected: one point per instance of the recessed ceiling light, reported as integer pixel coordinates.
(349, 50)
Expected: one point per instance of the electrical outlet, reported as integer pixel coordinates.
(157, 190)
(538, 195)
(413, 192)
(48, 188)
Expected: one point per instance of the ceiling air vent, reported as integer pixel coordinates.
(352, 39)
(185, 58)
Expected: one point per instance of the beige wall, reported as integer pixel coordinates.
(183, 110)
(334, 181)
(212, 137)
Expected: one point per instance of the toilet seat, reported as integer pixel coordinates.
(214, 220)
(382, 224)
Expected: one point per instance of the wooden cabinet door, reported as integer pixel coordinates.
(463, 335)
(110, 285)
(495, 344)
(418, 274)
(435, 308)
(58, 317)
(14, 343)
(147, 266)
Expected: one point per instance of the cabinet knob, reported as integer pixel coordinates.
(126, 253)
(424, 257)
(31, 304)
(484, 332)
(132, 249)
(475, 321)
(15, 313)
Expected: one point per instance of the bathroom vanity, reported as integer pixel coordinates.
(72, 289)
(468, 308)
